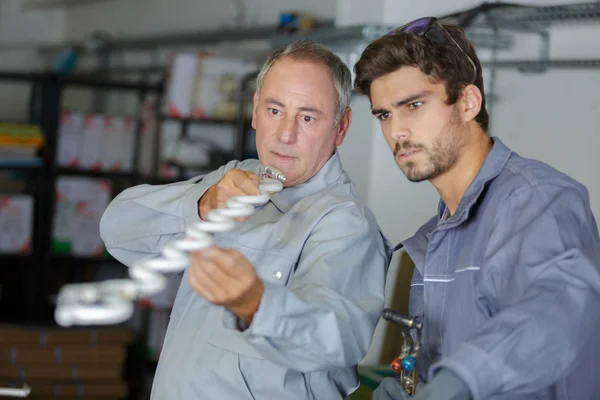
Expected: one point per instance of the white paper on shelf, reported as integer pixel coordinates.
(70, 139)
(16, 223)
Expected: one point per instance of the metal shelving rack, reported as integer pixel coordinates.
(31, 277)
(489, 25)
(499, 18)
(36, 271)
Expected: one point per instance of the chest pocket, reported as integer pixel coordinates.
(273, 267)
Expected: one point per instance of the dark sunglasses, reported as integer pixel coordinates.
(432, 30)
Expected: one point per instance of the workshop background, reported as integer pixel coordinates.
(100, 95)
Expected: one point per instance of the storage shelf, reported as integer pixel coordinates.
(510, 15)
(12, 257)
(18, 166)
(92, 82)
(97, 83)
(578, 12)
(534, 65)
(196, 38)
(159, 180)
(118, 175)
(187, 120)
(94, 174)
(72, 259)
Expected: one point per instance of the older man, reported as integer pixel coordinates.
(284, 307)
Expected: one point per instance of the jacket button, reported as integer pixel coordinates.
(277, 275)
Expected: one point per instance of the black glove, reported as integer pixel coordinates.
(445, 385)
(390, 389)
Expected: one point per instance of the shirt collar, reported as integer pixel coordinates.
(328, 174)
(492, 166)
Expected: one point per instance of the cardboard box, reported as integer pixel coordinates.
(64, 362)
(113, 135)
(93, 142)
(50, 335)
(180, 92)
(80, 203)
(16, 223)
(90, 205)
(148, 138)
(204, 86)
(44, 389)
(70, 139)
(217, 86)
(127, 144)
(53, 372)
(61, 354)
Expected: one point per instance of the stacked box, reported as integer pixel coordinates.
(65, 363)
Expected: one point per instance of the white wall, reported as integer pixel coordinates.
(29, 26)
(355, 152)
(20, 32)
(554, 118)
(142, 17)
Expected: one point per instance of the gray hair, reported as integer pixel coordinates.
(307, 50)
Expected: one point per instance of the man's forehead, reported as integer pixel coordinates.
(300, 67)
(405, 78)
(403, 84)
(300, 84)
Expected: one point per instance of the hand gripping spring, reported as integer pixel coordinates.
(112, 301)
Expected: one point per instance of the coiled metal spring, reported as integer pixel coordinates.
(112, 301)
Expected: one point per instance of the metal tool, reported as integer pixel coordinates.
(406, 363)
(266, 171)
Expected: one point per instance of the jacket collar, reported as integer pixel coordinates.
(329, 174)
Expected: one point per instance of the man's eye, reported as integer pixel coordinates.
(274, 111)
(415, 105)
(383, 116)
(307, 119)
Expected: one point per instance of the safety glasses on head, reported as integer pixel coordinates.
(432, 30)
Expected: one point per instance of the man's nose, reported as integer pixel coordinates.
(288, 130)
(399, 130)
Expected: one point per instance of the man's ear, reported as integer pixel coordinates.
(343, 126)
(255, 101)
(471, 99)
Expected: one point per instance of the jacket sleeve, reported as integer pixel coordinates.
(327, 314)
(142, 219)
(541, 277)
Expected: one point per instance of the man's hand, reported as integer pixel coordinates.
(235, 182)
(225, 277)
(445, 385)
(390, 389)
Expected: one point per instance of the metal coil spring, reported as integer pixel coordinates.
(15, 392)
(112, 301)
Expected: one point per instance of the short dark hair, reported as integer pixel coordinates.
(444, 63)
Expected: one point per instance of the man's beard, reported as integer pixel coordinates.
(442, 155)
